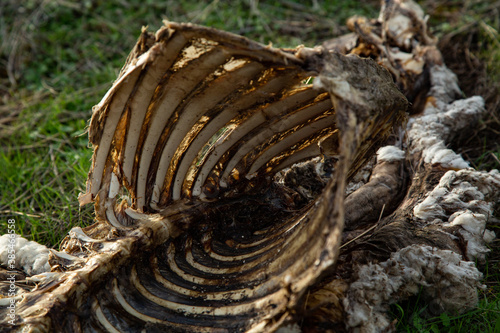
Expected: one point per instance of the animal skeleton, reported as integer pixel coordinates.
(219, 179)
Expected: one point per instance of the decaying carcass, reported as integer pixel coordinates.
(234, 195)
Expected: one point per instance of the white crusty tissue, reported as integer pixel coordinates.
(28, 256)
(464, 198)
(445, 281)
(390, 154)
(430, 132)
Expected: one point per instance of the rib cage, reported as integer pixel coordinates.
(174, 134)
(192, 235)
(208, 113)
(209, 118)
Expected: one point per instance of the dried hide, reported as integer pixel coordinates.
(232, 195)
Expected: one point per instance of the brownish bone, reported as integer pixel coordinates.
(379, 195)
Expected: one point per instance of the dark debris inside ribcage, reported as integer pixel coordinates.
(218, 265)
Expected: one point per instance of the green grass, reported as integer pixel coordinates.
(58, 58)
(43, 161)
